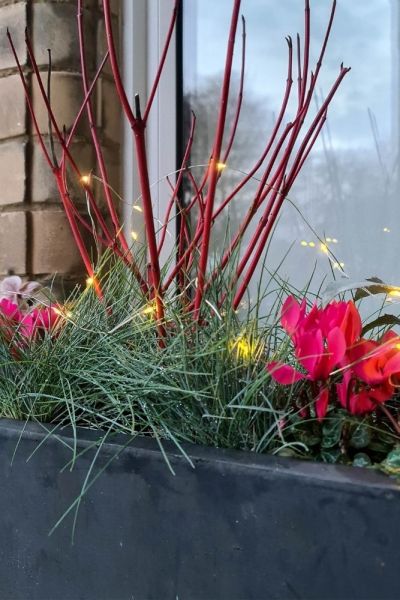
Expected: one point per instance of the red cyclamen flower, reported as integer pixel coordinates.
(372, 368)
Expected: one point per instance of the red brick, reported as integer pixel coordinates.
(12, 107)
(55, 27)
(109, 111)
(12, 172)
(13, 242)
(13, 16)
(53, 247)
(43, 186)
(66, 99)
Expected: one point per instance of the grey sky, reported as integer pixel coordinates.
(361, 38)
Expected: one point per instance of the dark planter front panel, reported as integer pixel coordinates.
(237, 527)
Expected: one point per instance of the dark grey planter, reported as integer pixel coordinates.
(238, 526)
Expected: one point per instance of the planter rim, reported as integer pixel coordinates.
(348, 477)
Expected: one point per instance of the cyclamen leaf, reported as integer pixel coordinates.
(391, 464)
(361, 460)
(331, 433)
(381, 322)
(367, 287)
(360, 437)
(377, 287)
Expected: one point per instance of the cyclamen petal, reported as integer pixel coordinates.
(309, 351)
(332, 356)
(359, 398)
(10, 285)
(321, 404)
(284, 374)
(392, 366)
(361, 403)
(363, 358)
(9, 309)
(336, 346)
(351, 325)
(292, 312)
(332, 316)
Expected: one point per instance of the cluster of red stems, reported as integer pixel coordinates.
(284, 155)
(361, 374)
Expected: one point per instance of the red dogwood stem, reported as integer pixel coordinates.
(269, 218)
(97, 146)
(154, 266)
(239, 101)
(86, 100)
(176, 189)
(66, 152)
(162, 61)
(58, 177)
(75, 231)
(271, 140)
(213, 172)
(114, 64)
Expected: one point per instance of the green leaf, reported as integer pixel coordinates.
(339, 287)
(331, 455)
(391, 464)
(309, 438)
(360, 437)
(374, 286)
(361, 460)
(331, 433)
(287, 453)
(381, 322)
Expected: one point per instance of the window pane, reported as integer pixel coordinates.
(348, 190)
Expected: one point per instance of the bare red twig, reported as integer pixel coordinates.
(239, 102)
(157, 77)
(58, 177)
(177, 187)
(271, 139)
(114, 65)
(119, 235)
(213, 171)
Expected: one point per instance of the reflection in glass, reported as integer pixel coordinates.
(348, 192)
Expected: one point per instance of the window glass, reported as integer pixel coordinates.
(347, 192)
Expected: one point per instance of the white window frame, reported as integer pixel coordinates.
(395, 6)
(144, 28)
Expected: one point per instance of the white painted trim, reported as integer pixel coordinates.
(134, 40)
(145, 24)
(395, 5)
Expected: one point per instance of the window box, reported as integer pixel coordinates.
(237, 526)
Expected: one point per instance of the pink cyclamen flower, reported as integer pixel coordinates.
(344, 315)
(28, 324)
(13, 289)
(10, 310)
(321, 339)
(38, 321)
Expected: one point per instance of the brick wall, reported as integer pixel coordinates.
(35, 239)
